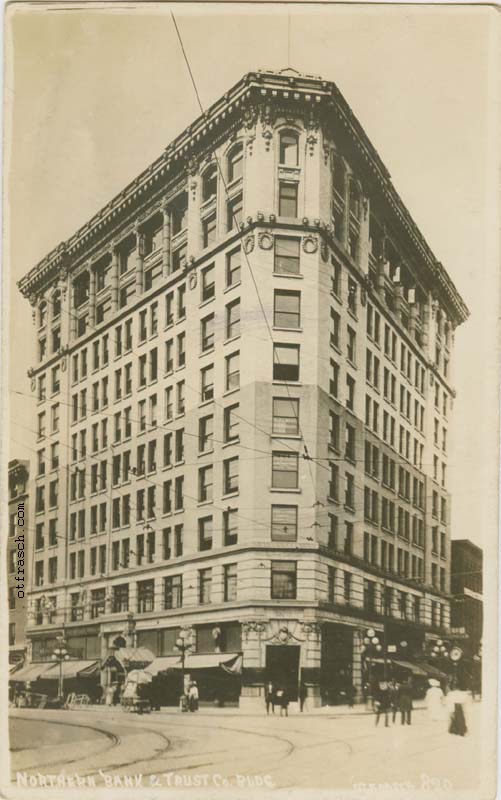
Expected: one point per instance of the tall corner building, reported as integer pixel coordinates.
(244, 399)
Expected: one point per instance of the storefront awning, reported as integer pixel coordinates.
(31, 672)
(231, 662)
(73, 669)
(163, 663)
(130, 656)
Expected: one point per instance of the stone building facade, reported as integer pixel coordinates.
(244, 399)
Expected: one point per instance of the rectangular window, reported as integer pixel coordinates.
(233, 319)
(283, 580)
(285, 416)
(205, 433)
(231, 421)
(230, 527)
(232, 371)
(287, 255)
(287, 309)
(204, 586)
(209, 228)
(173, 591)
(230, 582)
(286, 362)
(284, 470)
(287, 199)
(205, 533)
(233, 267)
(207, 333)
(205, 484)
(234, 212)
(207, 383)
(208, 288)
(284, 523)
(334, 379)
(230, 475)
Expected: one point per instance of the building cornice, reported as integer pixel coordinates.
(254, 95)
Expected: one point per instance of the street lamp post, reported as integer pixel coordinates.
(183, 646)
(371, 646)
(59, 655)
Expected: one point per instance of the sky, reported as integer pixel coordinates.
(92, 97)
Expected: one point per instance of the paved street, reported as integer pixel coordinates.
(321, 750)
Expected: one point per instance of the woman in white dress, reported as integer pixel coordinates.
(435, 700)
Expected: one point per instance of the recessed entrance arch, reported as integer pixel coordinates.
(282, 667)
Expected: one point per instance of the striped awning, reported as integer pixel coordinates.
(228, 661)
(31, 672)
(72, 669)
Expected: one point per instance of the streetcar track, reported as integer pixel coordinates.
(115, 741)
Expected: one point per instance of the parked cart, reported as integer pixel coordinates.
(135, 696)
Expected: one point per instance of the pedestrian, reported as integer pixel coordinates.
(193, 696)
(393, 688)
(283, 700)
(382, 702)
(302, 695)
(405, 702)
(269, 697)
(455, 705)
(434, 700)
(109, 693)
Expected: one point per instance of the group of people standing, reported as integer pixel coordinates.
(392, 698)
(276, 696)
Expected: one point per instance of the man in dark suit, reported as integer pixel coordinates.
(405, 702)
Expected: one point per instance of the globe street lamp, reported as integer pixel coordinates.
(371, 647)
(59, 655)
(183, 646)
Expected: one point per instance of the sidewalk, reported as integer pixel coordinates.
(358, 710)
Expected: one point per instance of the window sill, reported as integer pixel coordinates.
(228, 392)
(232, 286)
(275, 489)
(207, 351)
(232, 339)
(206, 302)
(287, 330)
(288, 275)
(230, 442)
(229, 495)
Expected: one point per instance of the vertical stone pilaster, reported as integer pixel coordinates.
(139, 261)
(346, 212)
(363, 242)
(114, 277)
(166, 241)
(92, 296)
(73, 317)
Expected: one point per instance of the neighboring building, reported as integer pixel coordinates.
(17, 549)
(275, 485)
(466, 590)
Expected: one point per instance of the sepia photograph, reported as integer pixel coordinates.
(250, 400)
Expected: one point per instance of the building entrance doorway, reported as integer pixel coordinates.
(282, 668)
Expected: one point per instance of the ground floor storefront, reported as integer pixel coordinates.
(315, 657)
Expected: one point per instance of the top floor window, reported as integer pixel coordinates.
(42, 314)
(81, 289)
(289, 149)
(209, 183)
(338, 175)
(180, 213)
(56, 304)
(235, 163)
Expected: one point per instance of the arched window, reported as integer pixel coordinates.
(56, 304)
(209, 183)
(42, 314)
(235, 162)
(289, 148)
